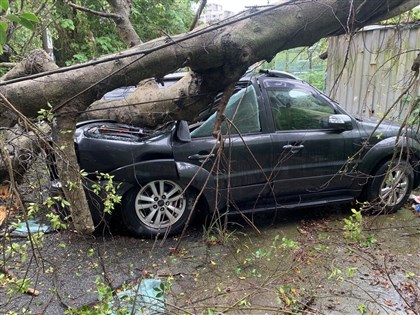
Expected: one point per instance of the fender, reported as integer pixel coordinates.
(188, 174)
(386, 149)
(123, 187)
(146, 171)
(196, 177)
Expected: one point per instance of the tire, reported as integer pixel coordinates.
(158, 208)
(390, 187)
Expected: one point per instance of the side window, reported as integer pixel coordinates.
(242, 110)
(295, 108)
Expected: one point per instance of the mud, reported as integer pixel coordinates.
(295, 262)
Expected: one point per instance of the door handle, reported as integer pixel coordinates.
(200, 157)
(293, 148)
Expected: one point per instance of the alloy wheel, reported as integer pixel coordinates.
(161, 203)
(394, 187)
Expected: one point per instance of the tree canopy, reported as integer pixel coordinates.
(84, 29)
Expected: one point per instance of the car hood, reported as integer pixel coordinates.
(112, 131)
(107, 146)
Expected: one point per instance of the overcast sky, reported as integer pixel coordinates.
(239, 5)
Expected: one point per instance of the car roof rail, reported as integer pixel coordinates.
(278, 74)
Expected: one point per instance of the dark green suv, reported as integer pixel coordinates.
(285, 145)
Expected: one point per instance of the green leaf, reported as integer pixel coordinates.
(28, 24)
(3, 26)
(13, 18)
(4, 5)
(30, 17)
(68, 24)
(3, 37)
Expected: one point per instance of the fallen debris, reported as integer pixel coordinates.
(144, 298)
(11, 275)
(31, 227)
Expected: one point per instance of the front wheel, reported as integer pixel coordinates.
(160, 207)
(391, 186)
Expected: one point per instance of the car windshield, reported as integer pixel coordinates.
(242, 110)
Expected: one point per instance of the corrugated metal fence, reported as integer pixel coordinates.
(377, 70)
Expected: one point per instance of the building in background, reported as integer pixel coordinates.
(214, 13)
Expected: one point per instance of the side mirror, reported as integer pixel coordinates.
(183, 131)
(338, 122)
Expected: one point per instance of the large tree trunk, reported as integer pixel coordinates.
(69, 173)
(158, 105)
(217, 56)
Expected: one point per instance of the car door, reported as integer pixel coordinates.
(245, 155)
(308, 159)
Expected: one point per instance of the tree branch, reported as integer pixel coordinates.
(11, 275)
(197, 14)
(90, 11)
(7, 64)
(121, 18)
(125, 28)
(227, 93)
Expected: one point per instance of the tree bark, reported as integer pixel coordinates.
(22, 148)
(38, 61)
(69, 173)
(122, 8)
(22, 145)
(150, 105)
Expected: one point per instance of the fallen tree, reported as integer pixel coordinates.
(217, 56)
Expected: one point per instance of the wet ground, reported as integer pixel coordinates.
(295, 262)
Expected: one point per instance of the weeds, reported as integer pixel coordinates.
(287, 297)
(353, 230)
(22, 237)
(362, 309)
